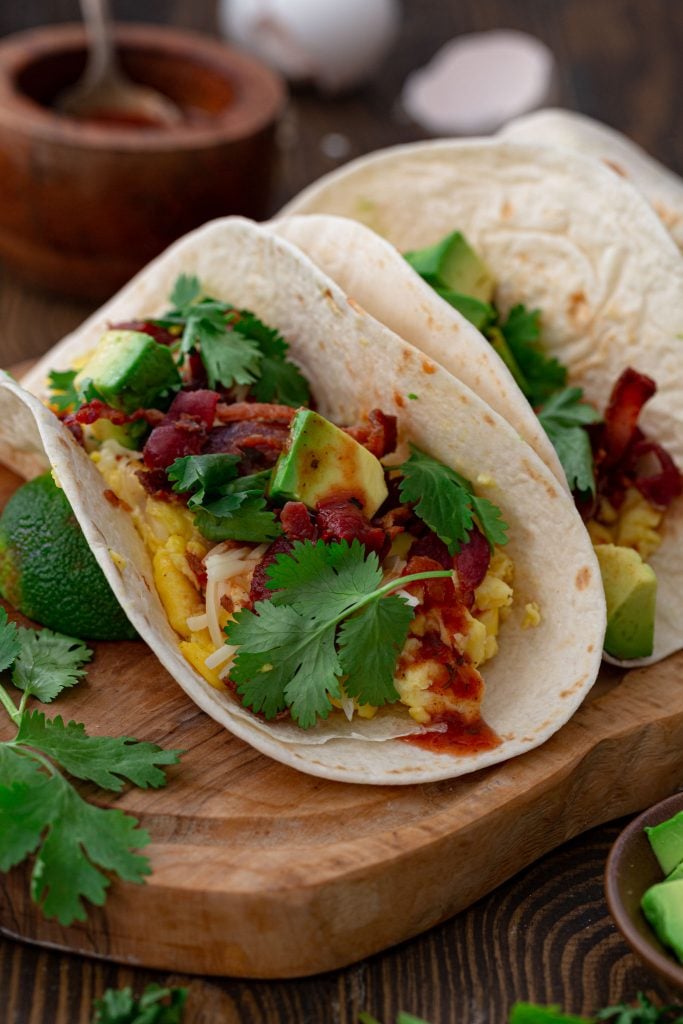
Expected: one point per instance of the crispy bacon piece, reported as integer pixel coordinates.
(431, 546)
(265, 411)
(258, 590)
(659, 488)
(629, 395)
(258, 444)
(90, 412)
(172, 441)
(378, 435)
(198, 568)
(160, 334)
(471, 564)
(157, 484)
(341, 519)
(198, 405)
(297, 523)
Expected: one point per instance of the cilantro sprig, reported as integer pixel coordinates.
(329, 618)
(235, 347)
(446, 502)
(641, 1012)
(564, 418)
(227, 507)
(41, 813)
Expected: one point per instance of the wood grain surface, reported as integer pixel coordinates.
(546, 933)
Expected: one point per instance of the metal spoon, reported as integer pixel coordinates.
(104, 90)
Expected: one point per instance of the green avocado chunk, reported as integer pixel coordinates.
(454, 265)
(129, 370)
(322, 461)
(662, 905)
(666, 841)
(631, 592)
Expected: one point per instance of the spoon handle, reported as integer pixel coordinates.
(101, 54)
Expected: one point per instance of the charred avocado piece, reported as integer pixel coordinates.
(321, 461)
(631, 592)
(129, 370)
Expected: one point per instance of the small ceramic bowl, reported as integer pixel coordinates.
(631, 869)
(83, 205)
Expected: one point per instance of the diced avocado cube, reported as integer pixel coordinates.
(128, 435)
(631, 593)
(662, 905)
(321, 461)
(129, 370)
(666, 841)
(453, 264)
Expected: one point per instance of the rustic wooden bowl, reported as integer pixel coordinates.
(86, 204)
(631, 869)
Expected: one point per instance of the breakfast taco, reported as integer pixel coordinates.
(338, 550)
(573, 284)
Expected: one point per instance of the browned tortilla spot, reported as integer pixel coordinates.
(583, 577)
(573, 688)
(506, 210)
(614, 166)
(533, 474)
(356, 306)
(576, 305)
(489, 419)
(428, 367)
(399, 400)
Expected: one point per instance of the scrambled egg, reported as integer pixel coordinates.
(634, 525)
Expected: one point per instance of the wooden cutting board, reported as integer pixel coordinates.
(262, 872)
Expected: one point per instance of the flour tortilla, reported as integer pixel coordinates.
(354, 364)
(563, 234)
(564, 128)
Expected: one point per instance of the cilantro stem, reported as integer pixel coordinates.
(9, 706)
(31, 752)
(396, 584)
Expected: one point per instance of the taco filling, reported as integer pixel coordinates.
(623, 482)
(311, 570)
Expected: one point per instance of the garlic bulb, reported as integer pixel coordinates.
(335, 43)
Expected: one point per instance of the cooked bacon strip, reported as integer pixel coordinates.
(200, 405)
(630, 393)
(258, 590)
(471, 564)
(173, 441)
(199, 569)
(160, 334)
(658, 488)
(297, 522)
(431, 546)
(265, 411)
(378, 435)
(341, 519)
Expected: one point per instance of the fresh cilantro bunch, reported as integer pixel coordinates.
(446, 502)
(41, 812)
(641, 1012)
(235, 347)
(329, 618)
(227, 507)
(156, 1005)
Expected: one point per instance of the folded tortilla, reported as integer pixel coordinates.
(562, 234)
(354, 364)
(565, 128)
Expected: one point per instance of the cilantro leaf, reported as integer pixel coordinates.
(530, 1013)
(48, 663)
(9, 641)
(542, 374)
(225, 508)
(81, 839)
(284, 661)
(564, 417)
(279, 380)
(156, 1005)
(202, 473)
(446, 502)
(105, 760)
(369, 646)
(481, 314)
(643, 1012)
(17, 766)
(229, 358)
(186, 291)
(25, 810)
(323, 578)
(64, 394)
(287, 647)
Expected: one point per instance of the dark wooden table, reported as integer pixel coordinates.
(546, 935)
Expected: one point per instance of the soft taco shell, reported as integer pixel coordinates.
(562, 234)
(354, 364)
(565, 128)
